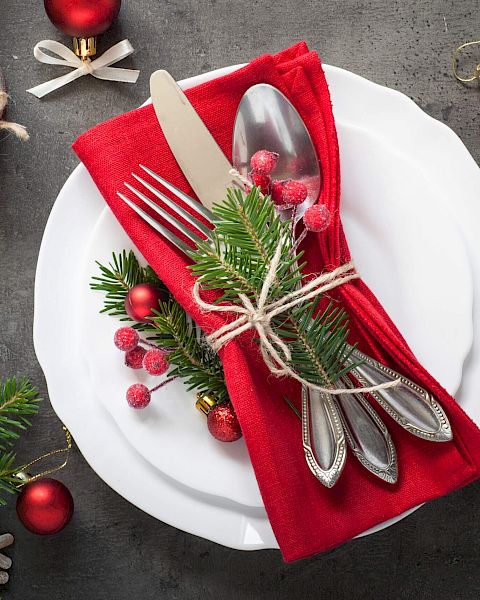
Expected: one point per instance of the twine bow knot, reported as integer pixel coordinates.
(99, 68)
(275, 352)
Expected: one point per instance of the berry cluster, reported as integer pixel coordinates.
(153, 361)
(287, 193)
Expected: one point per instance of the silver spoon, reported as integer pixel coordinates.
(267, 120)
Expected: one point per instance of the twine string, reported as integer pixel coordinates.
(275, 352)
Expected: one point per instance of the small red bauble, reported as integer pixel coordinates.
(82, 18)
(138, 395)
(141, 300)
(223, 423)
(154, 362)
(45, 506)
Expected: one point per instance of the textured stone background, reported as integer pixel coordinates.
(112, 550)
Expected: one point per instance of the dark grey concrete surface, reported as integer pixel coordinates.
(112, 550)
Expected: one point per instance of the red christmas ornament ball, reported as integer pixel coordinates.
(223, 423)
(45, 506)
(141, 300)
(82, 18)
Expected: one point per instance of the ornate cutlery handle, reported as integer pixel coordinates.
(367, 435)
(323, 437)
(408, 404)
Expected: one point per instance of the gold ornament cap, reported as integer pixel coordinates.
(205, 403)
(23, 477)
(84, 47)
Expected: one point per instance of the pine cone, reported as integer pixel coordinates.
(5, 562)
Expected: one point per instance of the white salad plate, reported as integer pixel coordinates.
(396, 207)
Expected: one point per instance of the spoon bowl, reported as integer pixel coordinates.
(266, 120)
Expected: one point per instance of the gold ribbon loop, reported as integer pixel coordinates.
(456, 55)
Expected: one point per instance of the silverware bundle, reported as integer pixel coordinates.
(266, 119)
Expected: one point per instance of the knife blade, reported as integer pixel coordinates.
(193, 146)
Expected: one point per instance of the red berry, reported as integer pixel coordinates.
(223, 423)
(262, 181)
(264, 161)
(126, 338)
(138, 395)
(317, 218)
(154, 362)
(294, 192)
(134, 358)
(276, 192)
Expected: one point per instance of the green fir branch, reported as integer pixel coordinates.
(8, 481)
(117, 278)
(170, 328)
(192, 359)
(18, 401)
(246, 236)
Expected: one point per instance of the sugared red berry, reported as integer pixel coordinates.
(317, 218)
(134, 358)
(223, 423)
(138, 395)
(294, 192)
(264, 161)
(126, 338)
(154, 362)
(276, 191)
(262, 181)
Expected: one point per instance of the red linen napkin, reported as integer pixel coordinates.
(306, 517)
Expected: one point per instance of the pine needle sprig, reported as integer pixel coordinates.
(117, 278)
(8, 481)
(170, 328)
(236, 260)
(18, 400)
(191, 358)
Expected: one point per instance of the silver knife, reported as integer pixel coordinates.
(193, 146)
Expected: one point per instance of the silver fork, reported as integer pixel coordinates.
(411, 406)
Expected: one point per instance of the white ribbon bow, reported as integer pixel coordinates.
(99, 68)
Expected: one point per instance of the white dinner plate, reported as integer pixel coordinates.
(363, 144)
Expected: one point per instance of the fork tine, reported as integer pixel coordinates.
(178, 209)
(171, 237)
(179, 194)
(165, 215)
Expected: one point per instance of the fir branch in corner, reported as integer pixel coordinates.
(8, 481)
(18, 400)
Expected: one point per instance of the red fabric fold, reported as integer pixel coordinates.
(306, 517)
